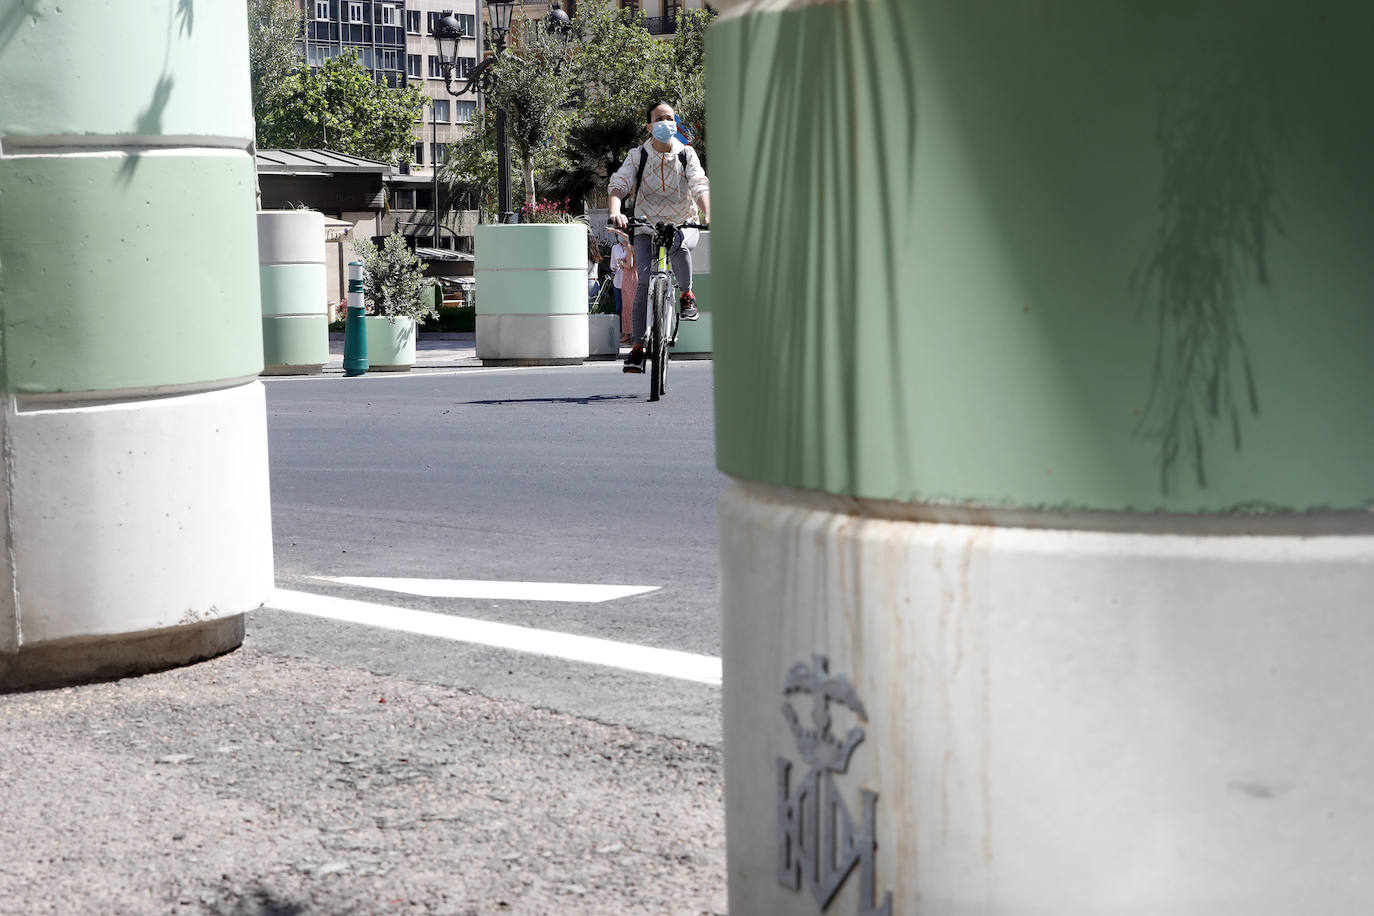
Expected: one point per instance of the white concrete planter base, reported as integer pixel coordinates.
(71, 661)
(174, 494)
(532, 340)
(1073, 722)
(603, 337)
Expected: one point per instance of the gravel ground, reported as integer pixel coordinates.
(255, 785)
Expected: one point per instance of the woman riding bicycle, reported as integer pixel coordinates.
(664, 182)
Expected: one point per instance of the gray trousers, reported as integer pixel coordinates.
(679, 260)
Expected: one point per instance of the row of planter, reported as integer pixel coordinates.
(532, 311)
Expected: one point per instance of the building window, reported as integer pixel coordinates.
(403, 199)
(463, 67)
(440, 111)
(435, 71)
(467, 23)
(355, 12)
(321, 9)
(413, 22)
(465, 111)
(388, 58)
(365, 57)
(438, 153)
(417, 154)
(388, 14)
(413, 65)
(430, 19)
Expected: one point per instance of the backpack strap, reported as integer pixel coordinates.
(639, 178)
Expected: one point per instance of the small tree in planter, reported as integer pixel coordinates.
(398, 296)
(394, 281)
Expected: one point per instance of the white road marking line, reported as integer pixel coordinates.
(686, 666)
(427, 373)
(486, 588)
(422, 372)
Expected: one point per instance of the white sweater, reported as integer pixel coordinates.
(668, 192)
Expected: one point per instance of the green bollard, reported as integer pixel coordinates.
(355, 328)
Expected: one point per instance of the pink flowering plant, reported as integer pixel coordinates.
(550, 211)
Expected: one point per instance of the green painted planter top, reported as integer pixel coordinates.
(1115, 257)
(532, 245)
(126, 280)
(141, 67)
(533, 269)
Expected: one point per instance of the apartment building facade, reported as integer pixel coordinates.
(392, 39)
(659, 17)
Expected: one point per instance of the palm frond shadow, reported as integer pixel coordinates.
(824, 113)
(12, 19)
(1218, 202)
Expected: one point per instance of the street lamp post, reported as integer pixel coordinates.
(434, 166)
(447, 33)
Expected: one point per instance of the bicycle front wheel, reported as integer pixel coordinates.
(663, 318)
(654, 333)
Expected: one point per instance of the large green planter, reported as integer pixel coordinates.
(390, 344)
(291, 272)
(134, 491)
(1044, 380)
(532, 294)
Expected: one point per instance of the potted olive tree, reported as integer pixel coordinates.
(398, 297)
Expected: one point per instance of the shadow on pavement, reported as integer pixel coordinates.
(587, 400)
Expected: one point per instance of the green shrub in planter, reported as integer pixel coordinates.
(394, 281)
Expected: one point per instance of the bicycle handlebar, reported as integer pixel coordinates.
(634, 221)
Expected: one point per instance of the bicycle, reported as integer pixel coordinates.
(661, 319)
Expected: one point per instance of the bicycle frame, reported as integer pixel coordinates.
(661, 317)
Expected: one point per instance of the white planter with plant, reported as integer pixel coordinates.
(398, 297)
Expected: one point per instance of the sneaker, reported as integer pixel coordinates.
(635, 361)
(687, 308)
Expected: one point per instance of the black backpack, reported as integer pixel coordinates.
(639, 176)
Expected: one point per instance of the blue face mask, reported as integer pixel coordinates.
(664, 131)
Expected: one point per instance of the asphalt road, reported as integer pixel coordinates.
(549, 475)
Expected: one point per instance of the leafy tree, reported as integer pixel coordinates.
(619, 69)
(470, 167)
(273, 27)
(613, 69)
(617, 66)
(340, 107)
(532, 93)
(594, 149)
(687, 59)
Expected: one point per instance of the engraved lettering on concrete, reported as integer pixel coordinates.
(818, 841)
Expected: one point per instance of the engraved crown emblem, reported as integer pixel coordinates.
(817, 745)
